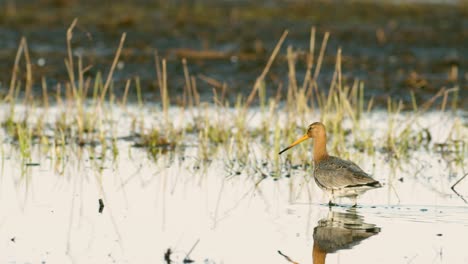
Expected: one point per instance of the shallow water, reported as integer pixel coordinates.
(50, 212)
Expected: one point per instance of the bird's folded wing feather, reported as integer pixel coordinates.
(341, 173)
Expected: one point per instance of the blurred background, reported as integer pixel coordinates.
(394, 47)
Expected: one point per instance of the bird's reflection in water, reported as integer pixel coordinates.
(340, 230)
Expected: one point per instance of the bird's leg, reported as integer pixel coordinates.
(354, 199)
(331, 201)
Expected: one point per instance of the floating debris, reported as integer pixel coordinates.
(287, 258)
(455, 184)
(167, 256)
(101, 206)
(187, 258)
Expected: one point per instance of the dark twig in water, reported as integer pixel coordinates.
(101, 206)
(453, 188)
(287, 258)
(187, 259)
(167, 256)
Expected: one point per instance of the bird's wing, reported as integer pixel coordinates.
(342, 173)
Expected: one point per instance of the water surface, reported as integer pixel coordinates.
(50, 212)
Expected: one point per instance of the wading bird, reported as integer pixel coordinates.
(338, 177)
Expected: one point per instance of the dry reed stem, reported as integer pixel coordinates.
(114, 63)
(265, 70)
(69, 63)
(211, 81)
(45, 96)
(338, 69)
(317, 70)
(442, 92)
(188, 84)
(29, 78)
(321, 54)
(310, 59)
(291, 57)
(196, 95)
(157, 62)
(80, 78)
(124, 97)
(14, 73)
(164, 91)
(58, 97)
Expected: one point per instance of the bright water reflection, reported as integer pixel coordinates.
(340, 230)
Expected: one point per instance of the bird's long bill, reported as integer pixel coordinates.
(305, 137)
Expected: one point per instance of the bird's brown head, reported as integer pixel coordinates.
(314, 130)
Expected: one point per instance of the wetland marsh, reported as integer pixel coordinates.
(105, 159)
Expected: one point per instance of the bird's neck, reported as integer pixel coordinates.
(320, 148)
(318, 255)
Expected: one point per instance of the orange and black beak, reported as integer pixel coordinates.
(303, 138)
